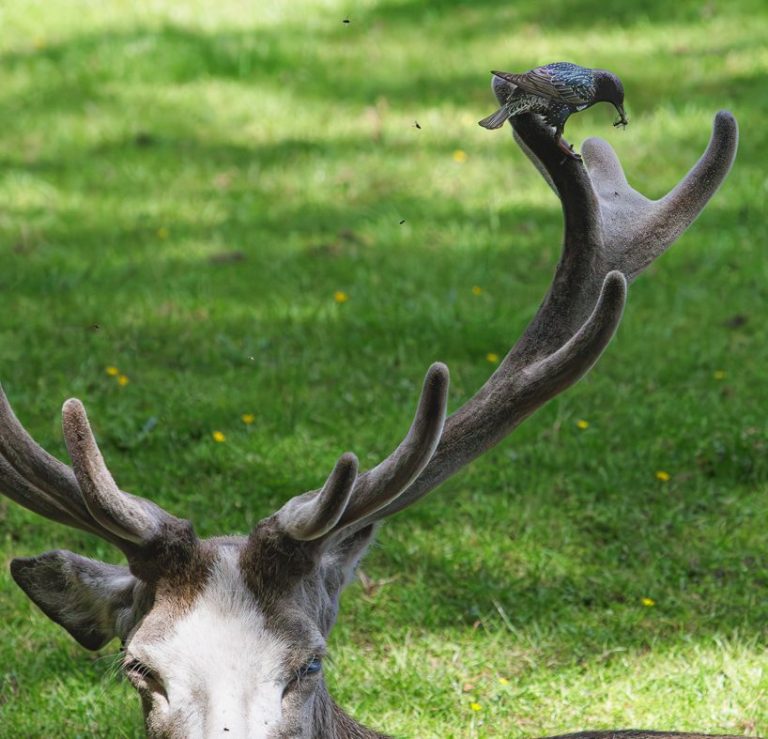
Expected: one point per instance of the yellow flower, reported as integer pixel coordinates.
(122, 380)
(719, 374)
(648, 602)
(477, 290)
(582, 424)
(662, 476)
(247, 418)
(112, 371)
(340, 296)
(162, 232)
(503, 681)
(218, 437)
(460, 156)
(492, 357)
(475, 706)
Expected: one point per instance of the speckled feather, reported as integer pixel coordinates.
(559, 82)
(556, 91)
(554, 114)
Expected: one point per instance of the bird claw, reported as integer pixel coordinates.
(567, 149)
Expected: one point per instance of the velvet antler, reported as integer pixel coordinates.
(611, 234)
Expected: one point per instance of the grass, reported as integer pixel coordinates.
(184, 187)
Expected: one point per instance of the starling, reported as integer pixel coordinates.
(556, 90)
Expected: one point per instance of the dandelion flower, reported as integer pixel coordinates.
(475, 706)
(582, 424)
(340, 296)
(662, 476)
(460, 156)
(122, 380)
(492, 357)
(112, 371)
(503, 681)
(218, 437)
(247, 418)
(648, 602)
(719, 374)
(477, 290)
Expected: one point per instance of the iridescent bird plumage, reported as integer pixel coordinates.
(556, 91)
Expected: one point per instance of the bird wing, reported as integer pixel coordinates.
(551, 82)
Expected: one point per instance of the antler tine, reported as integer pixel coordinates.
(690, 196)
(657, 223)
(384, 483)
(85, 498)
(547, 377)
(130, 518)
(25, 493)
(346, 497)
(35, 479)
(312, 515)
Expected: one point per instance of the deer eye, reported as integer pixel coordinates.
(142, 675)
(311, 667)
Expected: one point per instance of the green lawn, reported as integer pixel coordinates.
(183, 189)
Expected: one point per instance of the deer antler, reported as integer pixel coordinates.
(612, 233)
(610, 229)
(346, 498)
(85, 498)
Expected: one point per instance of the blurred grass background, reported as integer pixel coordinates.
(184, 189)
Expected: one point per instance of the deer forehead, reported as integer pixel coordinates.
(222, 636)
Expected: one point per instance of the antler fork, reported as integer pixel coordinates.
(611, 234)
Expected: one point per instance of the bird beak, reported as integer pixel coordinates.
(622, 116)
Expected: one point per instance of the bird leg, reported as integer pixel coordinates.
(564, 146)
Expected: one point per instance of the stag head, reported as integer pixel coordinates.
(226, 636)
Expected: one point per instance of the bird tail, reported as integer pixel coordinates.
(497, 119)
(513, 79)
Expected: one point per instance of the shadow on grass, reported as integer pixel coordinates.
(181, 343)
(485, 16)
(335, 69)
(706, 584)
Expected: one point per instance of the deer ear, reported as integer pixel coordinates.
(92, 600)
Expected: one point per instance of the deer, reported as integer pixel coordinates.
(225, 637)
